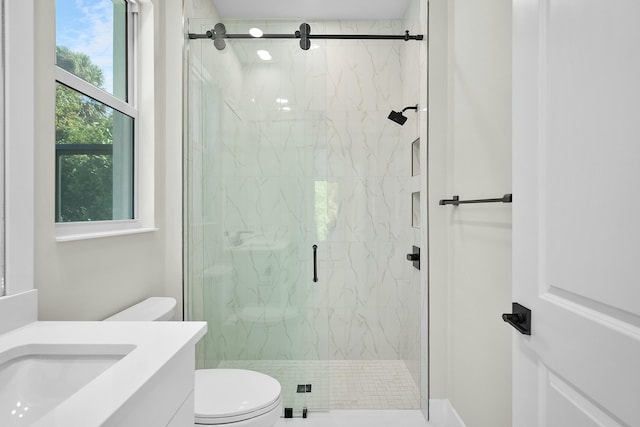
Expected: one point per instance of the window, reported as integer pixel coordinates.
(95, 110)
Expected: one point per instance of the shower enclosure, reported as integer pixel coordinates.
(298, 213)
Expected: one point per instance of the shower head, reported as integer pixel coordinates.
(400, 118)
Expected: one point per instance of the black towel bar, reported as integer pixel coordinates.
(507, 198)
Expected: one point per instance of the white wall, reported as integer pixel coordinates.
(169, 86)
(19, 147)
(437, 184)
(470, 246)
(19, 306)
(91, 279)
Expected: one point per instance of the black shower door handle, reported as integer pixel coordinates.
(315, 263)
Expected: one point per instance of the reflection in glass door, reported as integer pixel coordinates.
(256, 204)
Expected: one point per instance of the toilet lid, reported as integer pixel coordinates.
(231, 395)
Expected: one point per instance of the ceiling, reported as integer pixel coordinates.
(312, 9)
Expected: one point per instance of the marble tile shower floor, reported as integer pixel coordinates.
(339, 384)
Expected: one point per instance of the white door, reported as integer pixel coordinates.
(576, 129)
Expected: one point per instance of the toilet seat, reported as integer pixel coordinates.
(224, 396)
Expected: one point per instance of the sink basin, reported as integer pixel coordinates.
(36, 378)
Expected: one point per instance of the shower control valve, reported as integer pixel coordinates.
(414, 257)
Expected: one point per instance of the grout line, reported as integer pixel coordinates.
(340, 384)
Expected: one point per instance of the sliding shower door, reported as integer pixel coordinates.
(256, 209)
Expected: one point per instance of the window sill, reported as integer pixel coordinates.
(70, 232)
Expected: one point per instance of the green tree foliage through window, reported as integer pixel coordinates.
(80, 65)
(84, 141)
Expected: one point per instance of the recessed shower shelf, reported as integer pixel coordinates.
(415, 184)
(415, 157)
(415, 209)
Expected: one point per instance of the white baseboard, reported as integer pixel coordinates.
(443, 414)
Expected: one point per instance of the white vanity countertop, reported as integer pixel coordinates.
(156, 343)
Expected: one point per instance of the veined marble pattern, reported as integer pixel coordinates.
(269, 178)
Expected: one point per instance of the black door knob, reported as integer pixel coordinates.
(513, 317)
(413, 257)
(519, 318)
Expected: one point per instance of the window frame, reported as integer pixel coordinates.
(3, 287)
(76, 230)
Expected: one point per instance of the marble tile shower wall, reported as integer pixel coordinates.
(370, 162)
(332, 171)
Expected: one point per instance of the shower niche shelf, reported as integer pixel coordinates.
(415, 209)
(415, 157)
(415, 183)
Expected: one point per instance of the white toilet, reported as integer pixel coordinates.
(233, 397)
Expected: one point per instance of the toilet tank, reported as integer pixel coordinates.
(154, 308)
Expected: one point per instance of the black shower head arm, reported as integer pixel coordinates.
(415, 107)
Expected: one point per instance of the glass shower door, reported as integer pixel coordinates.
(256, 204)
